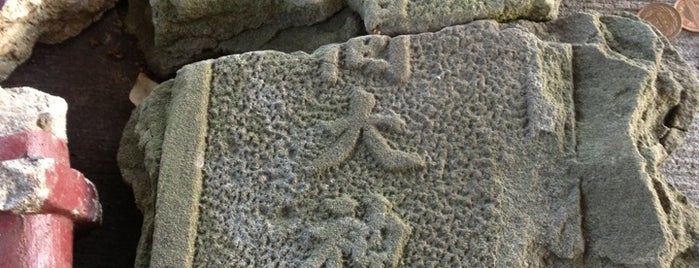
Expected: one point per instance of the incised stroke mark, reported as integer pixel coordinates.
(361, 125)
(342, 239)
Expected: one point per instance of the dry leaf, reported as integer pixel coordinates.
(141, 89)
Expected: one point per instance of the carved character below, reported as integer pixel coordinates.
(375, 240)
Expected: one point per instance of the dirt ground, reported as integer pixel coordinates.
(94, 73)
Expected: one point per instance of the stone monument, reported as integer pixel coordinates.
(518, 144)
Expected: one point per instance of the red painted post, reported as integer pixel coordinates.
(36, 229)
(36, 240)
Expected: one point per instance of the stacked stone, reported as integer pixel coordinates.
(174, 33)
(487, 144)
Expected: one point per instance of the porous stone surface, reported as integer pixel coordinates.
(25, 22)
(25, 109)
(494, 145)
(174, 33)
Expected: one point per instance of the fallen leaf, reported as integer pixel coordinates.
(141, 89)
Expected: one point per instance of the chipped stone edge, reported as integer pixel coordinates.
(180, 179)
(28, 109)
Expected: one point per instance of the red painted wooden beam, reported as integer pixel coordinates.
(40, 234)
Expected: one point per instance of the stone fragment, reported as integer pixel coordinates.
(26, 109)
(25, 22)
(174, 33)
(496, 145)
(24, 184)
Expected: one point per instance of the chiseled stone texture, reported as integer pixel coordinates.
(25, 109)
(174, 33)
(490, 145)
(25, 22)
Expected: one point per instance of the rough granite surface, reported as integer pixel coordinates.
(174, 33)
(23, 184)
(25, 109)
(25, 22)
(489, 145)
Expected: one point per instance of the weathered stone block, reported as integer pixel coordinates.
(174, 33)
(23, 23)
(487, 144)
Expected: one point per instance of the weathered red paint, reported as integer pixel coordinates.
(36, 240)
(45, 238)
(33, 145)
(71, 195)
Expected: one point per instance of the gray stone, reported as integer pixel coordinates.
(25, 22)
(495, 145)
(25, 109)
(393, 17)
(23, 184)
(174, 33)
(682, 168)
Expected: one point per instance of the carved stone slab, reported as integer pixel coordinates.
(495, 145)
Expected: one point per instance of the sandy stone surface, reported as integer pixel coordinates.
(682, 168)
(96, 124)
(423, 150)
